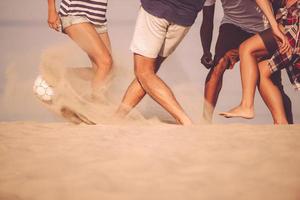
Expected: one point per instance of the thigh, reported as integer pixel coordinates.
(106, 40)
(144, 65)
(174, 35)
(230, 37)
(85, 35)
(149, 34)
(255, 45)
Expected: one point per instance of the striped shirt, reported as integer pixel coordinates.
(93, 10)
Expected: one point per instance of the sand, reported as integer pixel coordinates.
(47, 161)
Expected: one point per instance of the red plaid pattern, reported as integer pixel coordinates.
(290, 19)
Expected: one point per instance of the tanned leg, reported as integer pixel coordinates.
(249, 76)
(157, 89)
(271, 94)
(135, 93)
(97, 48)
(213, 86)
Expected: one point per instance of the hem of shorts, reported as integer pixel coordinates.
(140, 52)
(88, 20)
(100, 32)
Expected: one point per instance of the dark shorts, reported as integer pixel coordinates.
(230, 37)
(269, 40)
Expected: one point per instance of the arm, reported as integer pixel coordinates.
(267, 10)
(206, 33)
(53, 18)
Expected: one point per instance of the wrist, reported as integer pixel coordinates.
(51, 8)
(274, 24)
(206, 53)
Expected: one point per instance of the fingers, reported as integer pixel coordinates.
(232, 62)
(206, 60)
(54, 22)
(56, 26)
(285, 47)
(232, 56)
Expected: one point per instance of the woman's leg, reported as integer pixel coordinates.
(97, 48)
(249, 76)
(101, 78)
(271, 94)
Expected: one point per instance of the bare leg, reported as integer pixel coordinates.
(249, 76)
(103, 75)
(213, 86)
(157, 89)
(98, 49)
(134, 93)
(271, 94)
(276, 79)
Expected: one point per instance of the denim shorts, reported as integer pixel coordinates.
(69, 20)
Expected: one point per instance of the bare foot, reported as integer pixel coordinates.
(185, 122)
(205, 121)
(239, 112)
(74, 117)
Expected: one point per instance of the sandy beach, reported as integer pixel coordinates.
(46, 161)
(143, 157)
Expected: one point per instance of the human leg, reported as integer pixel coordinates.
(157, 89)
(134, 93)
(249, 75)
(96, 47)
(229, 39)
(213, 86)
(154, 39)
(271, 94)
(276, 79)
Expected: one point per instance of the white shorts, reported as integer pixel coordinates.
(155, 36)
(70, 20)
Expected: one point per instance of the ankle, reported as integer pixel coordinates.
(280, 122)
(247, 105)
(186, 122)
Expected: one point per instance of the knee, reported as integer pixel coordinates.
(143, 76)
(246, 48)
(218, 71)
(264, 73)
(104, 62)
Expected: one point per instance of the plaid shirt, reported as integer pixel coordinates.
(290, 19)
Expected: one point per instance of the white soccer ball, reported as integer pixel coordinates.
(42, 89)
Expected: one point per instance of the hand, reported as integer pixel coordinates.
(53, 20)
(207, 61)
(284, 44)
(232, 57)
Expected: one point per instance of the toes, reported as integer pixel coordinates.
(225, 114)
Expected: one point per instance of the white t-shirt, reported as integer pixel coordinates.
(242, 13)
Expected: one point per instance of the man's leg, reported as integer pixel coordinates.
(135, 93)
(154, 38)
(213, 85)
(157, 89)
